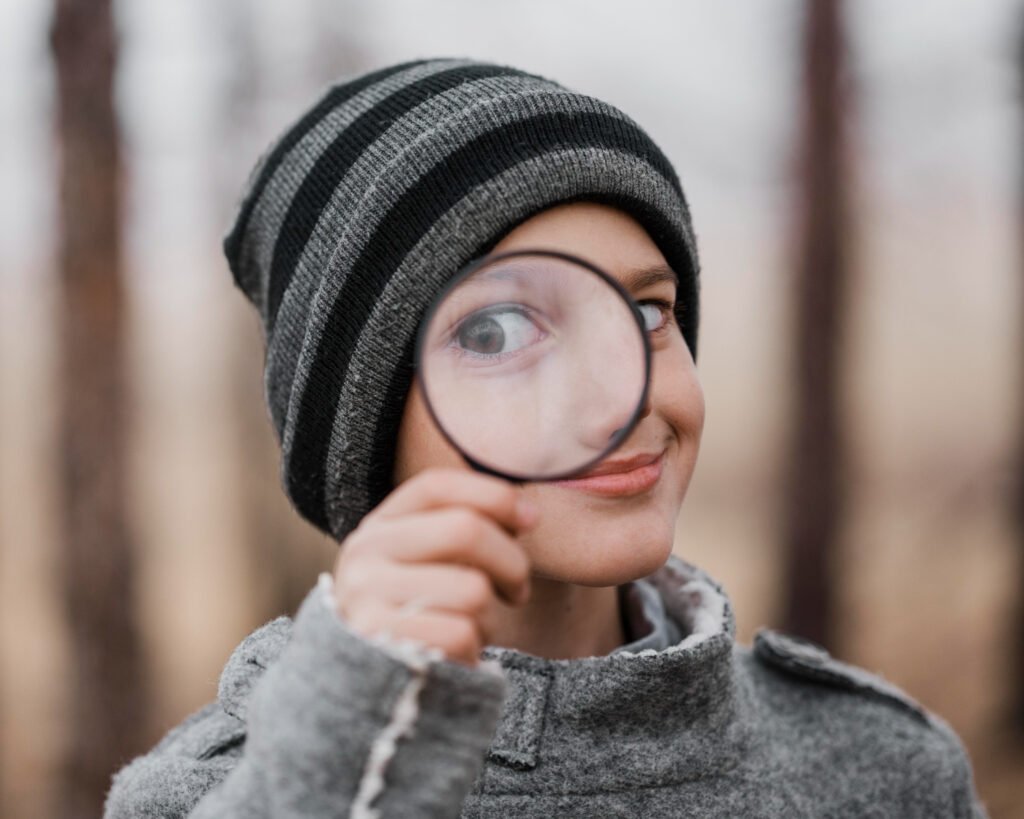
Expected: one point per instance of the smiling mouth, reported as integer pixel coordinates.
(630, 477)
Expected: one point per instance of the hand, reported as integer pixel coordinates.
(432, 559)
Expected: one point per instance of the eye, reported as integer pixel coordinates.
(657, 314)
(496, 333)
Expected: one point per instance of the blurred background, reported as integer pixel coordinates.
(856, 176)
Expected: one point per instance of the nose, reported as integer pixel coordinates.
(605, 406)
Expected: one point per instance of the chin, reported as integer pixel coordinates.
(605, 552)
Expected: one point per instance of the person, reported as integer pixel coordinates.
(483, 648)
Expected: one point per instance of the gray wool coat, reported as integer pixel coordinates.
(315, 720)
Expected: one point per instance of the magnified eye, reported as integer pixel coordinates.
(656, 313)
(497, 331)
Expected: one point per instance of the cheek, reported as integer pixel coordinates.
(420, 444)
(574, 526)
(686, 408)
(677, 394)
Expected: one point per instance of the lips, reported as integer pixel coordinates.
(623, 464)
(620, 478)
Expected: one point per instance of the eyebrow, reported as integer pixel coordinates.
(635, 279)
(641, 277)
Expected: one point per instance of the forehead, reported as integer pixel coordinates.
(633, 279)
(605, 236)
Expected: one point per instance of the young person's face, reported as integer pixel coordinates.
(582, 537)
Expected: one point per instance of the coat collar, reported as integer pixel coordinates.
(663, 716)
(247, 663)
(619, 720)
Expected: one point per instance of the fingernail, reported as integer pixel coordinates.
(527, 512)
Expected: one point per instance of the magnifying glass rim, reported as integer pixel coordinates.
(465, 272)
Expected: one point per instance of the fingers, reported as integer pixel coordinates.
(440, 487)
(455, 535)
(432, 559)
(430, 586)
(459, 637)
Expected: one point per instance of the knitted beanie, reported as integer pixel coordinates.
(357, 215)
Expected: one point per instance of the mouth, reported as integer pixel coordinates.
(621, 478)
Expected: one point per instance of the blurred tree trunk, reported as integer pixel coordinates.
(284, 552)
(813, 490)
(264, 541)
(96, 561)
(1017, 501)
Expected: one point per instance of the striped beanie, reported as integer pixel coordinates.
(357, 215)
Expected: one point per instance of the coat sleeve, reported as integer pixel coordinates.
(337, 725)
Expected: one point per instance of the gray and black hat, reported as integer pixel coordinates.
(358, 214)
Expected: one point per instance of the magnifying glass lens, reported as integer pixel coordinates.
(534, 365)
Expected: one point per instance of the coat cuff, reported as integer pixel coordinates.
(372, 719)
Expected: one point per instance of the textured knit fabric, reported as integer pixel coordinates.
(314, 720)
(376, 197)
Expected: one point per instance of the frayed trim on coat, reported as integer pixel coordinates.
(418, 657)
(704, 616)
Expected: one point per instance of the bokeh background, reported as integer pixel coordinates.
(856, 176)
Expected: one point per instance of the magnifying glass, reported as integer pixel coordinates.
(534, 364)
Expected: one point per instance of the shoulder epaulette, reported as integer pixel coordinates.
(807, 659)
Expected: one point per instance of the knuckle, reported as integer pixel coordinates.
(508, 495)
(520, 564)
(467, 527)
(357, 574)
(343, 581)
(354, 544)
(344, 594)
(362, 620)
(344, 558)
(464, 637)
(423, 483)
(477, 590)
(438, 482)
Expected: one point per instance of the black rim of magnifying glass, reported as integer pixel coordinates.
(466, 271)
